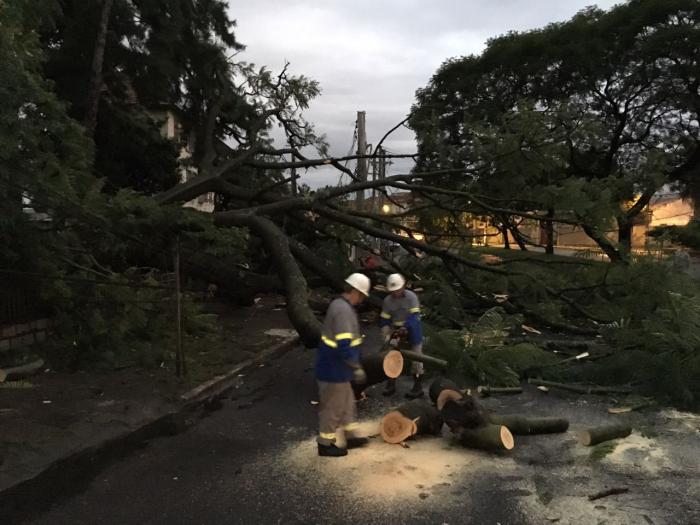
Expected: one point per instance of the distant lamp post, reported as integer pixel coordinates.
(386, 208)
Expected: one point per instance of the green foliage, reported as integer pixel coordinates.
(504, 366)
(601, 450)
(578, 118)
(688, 235)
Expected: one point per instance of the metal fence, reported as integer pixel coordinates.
(19, 302)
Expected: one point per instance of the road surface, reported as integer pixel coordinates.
(254, 461)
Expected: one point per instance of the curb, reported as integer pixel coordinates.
(66, 476)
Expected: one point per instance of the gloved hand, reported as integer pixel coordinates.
(359, 376)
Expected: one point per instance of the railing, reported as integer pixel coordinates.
(19, 302)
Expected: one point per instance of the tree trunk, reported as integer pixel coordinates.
(624, 237)
(521, 426)
(581, 389)
(379, 367)
(517, 236)
(463, 413)
(413, 418)
(604, 243)
(424, 358)
(93, 98)
(486, 391)
(488, 437)
(549, 233)
(440, 384)
(504, 232)
(593, 436)
(277, 245)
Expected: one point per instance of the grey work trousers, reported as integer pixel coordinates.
(336, 410)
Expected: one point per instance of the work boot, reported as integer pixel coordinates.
(356, 442)
(417, 390)
(331, 451)
(389, 388)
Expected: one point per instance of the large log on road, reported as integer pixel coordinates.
(488, 437)
(522, 426)
(413, 418)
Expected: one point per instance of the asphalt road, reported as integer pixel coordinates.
(253, 461)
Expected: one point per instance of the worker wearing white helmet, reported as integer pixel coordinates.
(401, 309)
(337, 364)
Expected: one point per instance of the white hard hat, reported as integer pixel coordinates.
(395, 282)
(359, 282)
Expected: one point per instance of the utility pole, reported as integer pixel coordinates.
(361, 162)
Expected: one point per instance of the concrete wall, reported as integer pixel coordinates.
(23, 334)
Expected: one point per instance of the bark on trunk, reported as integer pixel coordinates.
(593, 436)
(413, 418)
(462, 414)
(93, 98)
(518, 237)
(440, 384)
(604, 243)
(277, 245)
(549, 233)
(487, 437)
(504, 232)
(522, 426)
(424, 358)
(624, 237)
(582, 389)
(486, 391)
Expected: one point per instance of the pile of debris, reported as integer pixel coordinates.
(473, 426)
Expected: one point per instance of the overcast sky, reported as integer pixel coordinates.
(373, 55)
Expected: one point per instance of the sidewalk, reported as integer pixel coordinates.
(73, 416)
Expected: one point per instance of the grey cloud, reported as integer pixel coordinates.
(373, 55)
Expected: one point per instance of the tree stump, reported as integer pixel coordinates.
(413, 418)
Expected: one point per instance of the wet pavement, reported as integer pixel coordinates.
(253, 461)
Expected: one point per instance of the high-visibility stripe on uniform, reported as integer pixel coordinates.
(352, 426)
(398, 323)
(385, 315)
(356, 342)
(344, 335)
(329, 341)
(414, 310)
(326, 435)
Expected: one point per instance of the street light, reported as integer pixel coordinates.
(386, 208)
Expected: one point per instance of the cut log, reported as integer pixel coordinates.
(593, 436)
(448, 395)
(424, 358)
(582, 389)
(464, 413)
(488, 437)
(413, 418)
(523, 426)
(486, 391)
(20, 372)
(440, 385)
(379, 367)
